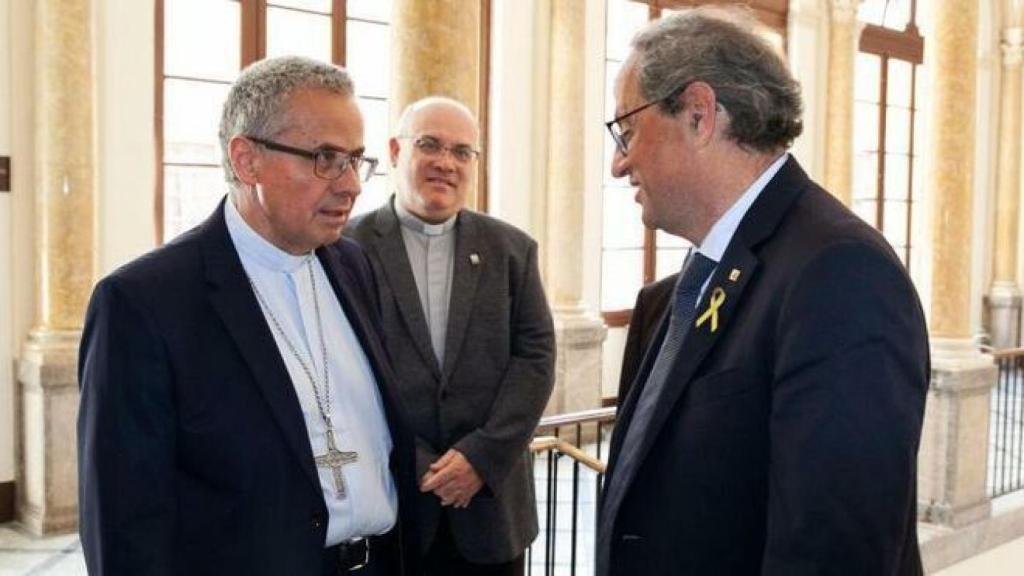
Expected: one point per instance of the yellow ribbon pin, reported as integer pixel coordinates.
(717, 299)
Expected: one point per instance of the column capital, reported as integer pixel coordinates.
(1013, 12)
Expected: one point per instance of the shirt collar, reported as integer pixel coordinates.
(414, 223)
(724, 229)
(255, 248)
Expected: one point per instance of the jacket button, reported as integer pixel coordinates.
(315, 522)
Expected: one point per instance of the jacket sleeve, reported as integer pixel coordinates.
(848, 397)
(126, 441)
(525, 388)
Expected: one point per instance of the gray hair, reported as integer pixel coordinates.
(257, 101)
(722, 48)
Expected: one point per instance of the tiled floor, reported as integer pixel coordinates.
(24, 555)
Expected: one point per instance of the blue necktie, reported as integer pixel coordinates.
(695, 272)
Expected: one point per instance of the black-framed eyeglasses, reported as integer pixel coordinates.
(328, 163)
(430, 146)
(622, 137)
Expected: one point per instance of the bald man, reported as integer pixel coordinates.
(469, 331)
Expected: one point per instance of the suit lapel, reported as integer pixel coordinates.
(395, 261)
(231, 297)
(758, 224)
(468, 261)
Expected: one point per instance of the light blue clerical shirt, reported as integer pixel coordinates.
(431, 251)
(370, 505)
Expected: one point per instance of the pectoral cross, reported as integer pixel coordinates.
(335, 459)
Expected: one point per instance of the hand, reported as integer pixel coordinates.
(452, 479)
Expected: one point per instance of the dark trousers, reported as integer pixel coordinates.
(443, 558)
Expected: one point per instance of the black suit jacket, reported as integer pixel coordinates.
(786, 440)
(651, 302)
(193, 453)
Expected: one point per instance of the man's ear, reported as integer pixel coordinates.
(395, 148)
(699, 108)
(245, 159)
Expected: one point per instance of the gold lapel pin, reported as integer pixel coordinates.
(734, 275)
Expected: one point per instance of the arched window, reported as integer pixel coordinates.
(202, 45)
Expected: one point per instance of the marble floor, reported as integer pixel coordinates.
(24, 555)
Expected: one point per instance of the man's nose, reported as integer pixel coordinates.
(620, 166)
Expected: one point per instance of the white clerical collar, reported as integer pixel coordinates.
(256, 248)
(721, 233)
(414, 223)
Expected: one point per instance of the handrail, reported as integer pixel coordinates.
(595, 415)
(545, 443)
(1007, 353)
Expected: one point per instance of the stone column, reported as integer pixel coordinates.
(1004, 298)
(436, 51)
(65, 184)
(954, 443)
(842, 53)
(579, 333)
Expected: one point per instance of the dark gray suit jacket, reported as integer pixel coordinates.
(486, 399)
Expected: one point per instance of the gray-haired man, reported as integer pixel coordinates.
(236, 412)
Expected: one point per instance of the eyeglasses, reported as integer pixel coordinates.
(430, 146)
(622, 137)
(328, 163)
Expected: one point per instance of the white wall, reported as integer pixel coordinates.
(6, 348)
(125, 53)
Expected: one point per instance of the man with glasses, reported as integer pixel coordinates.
(471, 338)
(773, 425)
(237, 413)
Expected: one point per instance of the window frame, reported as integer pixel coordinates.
(906, 45)
(253, 21)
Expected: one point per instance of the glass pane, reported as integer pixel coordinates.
(666, 240)
(375, 133)
(865, 176)
(377, 10)
(190, 195)
(298, 33)
(375, 193)
(322, 6)
(892, 14)
(622, 225)
(897, 14)
(897, 129)
(865, 127)
(897, 176)
(866, 81)
(202, 39)
(899, 83)
(669, 261)
(624, 19)
(368, 57)
(867, 210)
(611, 71)
(622, 273)
(191, 116)
(870, 11)
(895, 220)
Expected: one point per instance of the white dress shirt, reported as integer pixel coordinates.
(356, 409)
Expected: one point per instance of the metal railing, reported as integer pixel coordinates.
(1006, 431)
(568, 472)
